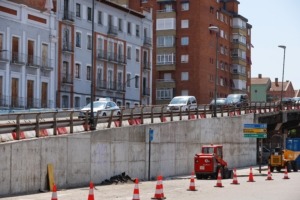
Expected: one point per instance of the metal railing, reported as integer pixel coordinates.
(37, 121)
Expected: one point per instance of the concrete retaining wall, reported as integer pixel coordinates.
(98, 155)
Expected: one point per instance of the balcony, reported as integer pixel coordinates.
(121, 59)
(146, 65)
(166, 66)
(147, 41)
(46, 64)
(163, 1)
(165, 83)
(112, 30)
(116, 58)
(101, 54)
(66, 78)
(24, 103)
(68, 16)
(101, 85)
(33, 61)
(4, 55)
(146, 91)
(68, 47)
(18, 58)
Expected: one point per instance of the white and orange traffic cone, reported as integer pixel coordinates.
(234, 180)
(269, 177)
(54, 193)
(136, 192)
(192, 183)
(286, 174)
(159, 194)
(91, 191)
(251, 179)
(219, 180)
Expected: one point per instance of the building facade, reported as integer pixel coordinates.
(260, 87)
(27, 56)
(186, 53)
(54, 54)
(120, 65)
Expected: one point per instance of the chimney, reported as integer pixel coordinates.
(276, 82)
(259, 75)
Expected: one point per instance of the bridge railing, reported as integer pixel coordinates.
(17, 123)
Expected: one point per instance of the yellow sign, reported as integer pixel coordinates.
(255, 130)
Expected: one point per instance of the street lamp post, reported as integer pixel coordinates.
(281, 94)
(216, 30)
(92, 120)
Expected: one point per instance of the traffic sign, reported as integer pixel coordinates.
(255, 130)
(151, 134)
(262, 126)
(249, 135)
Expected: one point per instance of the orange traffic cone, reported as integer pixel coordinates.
(251, 179)
(286, 174)
(136, 193)
(91, 191)
(219, 180)
(269, 178)
(234, 180)
(159, 194)
(54, 193)
(192, 183)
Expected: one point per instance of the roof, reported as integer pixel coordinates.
(259, 81)
(278, 87)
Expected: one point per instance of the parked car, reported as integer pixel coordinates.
(296, 100)
(183, 102)
(103, 107)
(287, 101)
(220, 102)
(237, 100)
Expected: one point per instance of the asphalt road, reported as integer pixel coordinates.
(175, 188)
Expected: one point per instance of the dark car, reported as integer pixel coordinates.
(237, 100)
(287, 101)
(220, 103)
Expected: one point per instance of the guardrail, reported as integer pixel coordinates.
(38, 121)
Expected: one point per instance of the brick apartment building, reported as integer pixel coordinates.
(184, 53)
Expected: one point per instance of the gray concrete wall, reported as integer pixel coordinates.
(98, 155)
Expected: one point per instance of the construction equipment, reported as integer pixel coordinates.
(208, 163)
(281, 158)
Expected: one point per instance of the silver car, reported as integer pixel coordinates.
(101, 108)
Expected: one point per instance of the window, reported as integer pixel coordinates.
(222, 33)
(184, 76)
(120, 25)
(88, 73)
(185, 6)
(78, 10)
(164, 94)
(137, 30)
(65, 101)
(77, 70)
(137, 55)
(78, 39)
(89, 42)
(165, 41)
(184, 23)
(137, 81)
(77, 102)
(184, 40)
(100, 22)
(89, 14)
(129, 28)
(128, 79)
(128, 52)
(165, 24)
(162, 59)
(184, 58)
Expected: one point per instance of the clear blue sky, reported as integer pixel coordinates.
(274, 22)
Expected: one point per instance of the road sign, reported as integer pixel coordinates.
(255, 130)
(249, 135)
(151, 134)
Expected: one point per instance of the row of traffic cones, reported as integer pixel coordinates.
(90, 196)
(159, 194)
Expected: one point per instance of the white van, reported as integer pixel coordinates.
(183, 102)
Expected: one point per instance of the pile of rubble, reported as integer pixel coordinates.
(121, 178)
